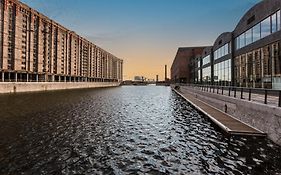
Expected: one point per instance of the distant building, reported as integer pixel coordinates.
(138, 78)
(182, 69)
(36, 48)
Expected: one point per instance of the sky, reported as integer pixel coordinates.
(146, 33)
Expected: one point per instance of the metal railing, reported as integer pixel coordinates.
(250, 94)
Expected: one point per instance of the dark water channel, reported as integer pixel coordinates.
(126, 130)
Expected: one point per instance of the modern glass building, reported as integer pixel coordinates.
(250, 55)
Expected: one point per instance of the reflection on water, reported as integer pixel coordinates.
(126, 130)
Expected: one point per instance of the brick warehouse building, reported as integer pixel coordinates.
(36, 48)
(182, 70)
(249, 56)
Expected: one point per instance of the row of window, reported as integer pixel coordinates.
(206, 60)
(222, 51)
(259, 67)
(268, 26)
(222, 71)
(206, 74)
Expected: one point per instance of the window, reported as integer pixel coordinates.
(265, 27)
(222, 51)
(242, 40)
(269, 25)
(226, 49)
(215, 54)
(222, 72)
(237, 43)
(199, 76)
(249, 37)
(278, 20)
(206, 74)
(206, 60)
(274, 23)
(256, 32)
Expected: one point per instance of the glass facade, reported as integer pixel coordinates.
(206, 60)
(222, 73)
(206, 75)
(266, 27)
(260, 68)
(222, 51)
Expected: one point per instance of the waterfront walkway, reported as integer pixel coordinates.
(226, 122)
(255, 95)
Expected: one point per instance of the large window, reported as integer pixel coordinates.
(256, 32)
(278, 20)
(222, 51)
(249, 36)
(274, 23)
(206, 60)
(206, 74)
(259, 68)
(222, 72)
(242, 40)
(266, 27)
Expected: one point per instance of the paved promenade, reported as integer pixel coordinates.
(272, 100)
(223, 120)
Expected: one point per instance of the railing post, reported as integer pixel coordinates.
(265, 96)
(241, 93)
(222, 90)
(229, 91)
(217, 90)
(235, 92)
(279, 104)
(250, 94)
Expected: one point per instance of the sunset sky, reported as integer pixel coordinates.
(146, 33)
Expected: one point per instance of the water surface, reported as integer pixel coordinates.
(125, 130)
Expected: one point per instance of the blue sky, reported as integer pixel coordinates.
(146, 33)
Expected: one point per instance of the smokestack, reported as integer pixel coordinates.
(157, 78)
(165, 72)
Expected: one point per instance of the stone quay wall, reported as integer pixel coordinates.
(263, 117)
(17, 87)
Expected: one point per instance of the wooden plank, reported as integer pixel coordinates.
(226, 122)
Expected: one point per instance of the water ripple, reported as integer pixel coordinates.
(126, 130)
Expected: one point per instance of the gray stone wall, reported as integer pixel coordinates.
(263, 117)
(46, 86)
